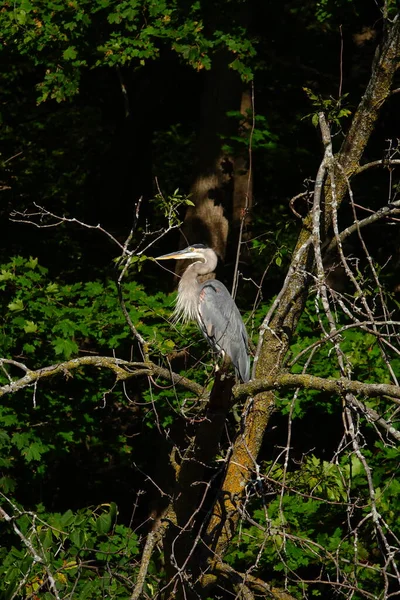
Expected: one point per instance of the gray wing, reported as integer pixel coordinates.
(222, 325)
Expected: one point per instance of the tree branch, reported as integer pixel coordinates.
(385, 211)
(373, 417)
(154, 537)
(386, 162)
(311, 382)
(123, 370)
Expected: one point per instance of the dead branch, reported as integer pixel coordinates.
(386, 211)
(373, 417)
(43, 218)
(386, 163)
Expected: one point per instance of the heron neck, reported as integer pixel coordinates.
(188, 295)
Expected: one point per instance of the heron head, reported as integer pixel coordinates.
(196, 251)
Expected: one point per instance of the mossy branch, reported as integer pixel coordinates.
(122, 369)
(333, 386)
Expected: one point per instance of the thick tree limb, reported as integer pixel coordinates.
(311, 382)
(123, 370)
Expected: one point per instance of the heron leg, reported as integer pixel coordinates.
(222, 363)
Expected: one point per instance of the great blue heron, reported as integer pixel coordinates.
(212, 306)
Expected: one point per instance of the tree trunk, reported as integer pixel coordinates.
(242, 173)
(211, 193)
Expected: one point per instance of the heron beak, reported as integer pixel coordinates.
(179, 255)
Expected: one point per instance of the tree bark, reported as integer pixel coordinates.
(242, 172)
(211, 192)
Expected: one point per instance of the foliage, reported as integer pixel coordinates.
(253, 132)
(87, 552)
(302, 529)
(46, 321)
(66, 38)
(333, 109)
(326, 9)
(169, 207)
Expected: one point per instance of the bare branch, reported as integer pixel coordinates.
(373, 417)
(386, 163)
(293, 200)
(384, 212)
(54, 221)
(154, 537)
(12, 157)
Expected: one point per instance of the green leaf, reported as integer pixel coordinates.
(34, 451)
(70, 53)
(106, 520)
(65, 347)
(21, 440)
(47, 540)
(67, 519)
(30, 327)
(7, 484)
(16, 305)
(52, 287)
(77, 537)
(6, 275)
(28, 348)
(32, 263)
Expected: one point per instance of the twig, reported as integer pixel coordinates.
(293, 200)
(27, 217)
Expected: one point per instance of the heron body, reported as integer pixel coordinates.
(212, 306)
